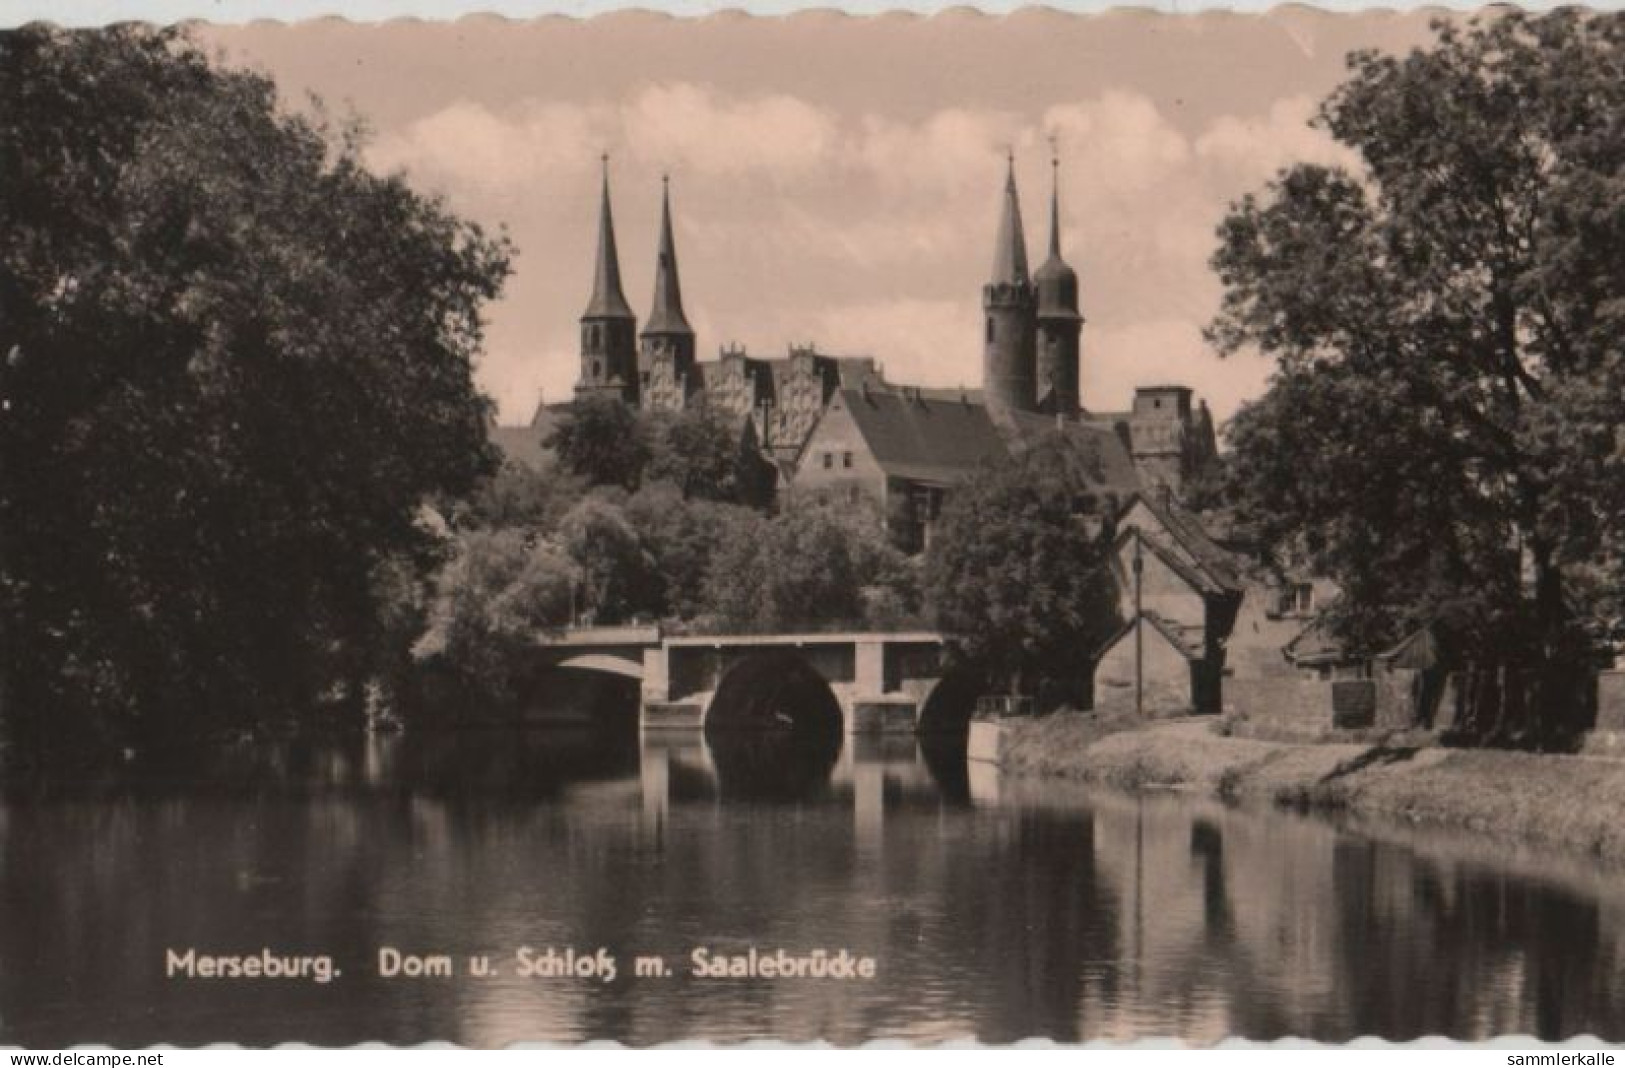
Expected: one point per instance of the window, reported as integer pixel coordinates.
(1297, 599)
(990, 330)
(846, 460)
(829, 460)
(854, 494)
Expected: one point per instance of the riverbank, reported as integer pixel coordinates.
(1574, 802)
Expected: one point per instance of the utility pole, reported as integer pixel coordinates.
(1139, 631)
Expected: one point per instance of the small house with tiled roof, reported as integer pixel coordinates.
(1178, 594)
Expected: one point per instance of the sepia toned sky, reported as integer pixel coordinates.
(835, 180)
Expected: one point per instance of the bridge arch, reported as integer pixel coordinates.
(605, 663)
(947, 708)
(775, 690)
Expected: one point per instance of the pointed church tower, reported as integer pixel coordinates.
(667, 351)
(1010, 304)
(609, 362)
(1059, 324)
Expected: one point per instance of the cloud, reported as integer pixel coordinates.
(1117, 144)
(467, 146)
(689, 127)
(677, 126)
(1262, 144)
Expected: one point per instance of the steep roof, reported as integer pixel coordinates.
(666, 317)
(913, 435)
(1194, 575)
(1216, 564)
(1316, 645)
(940, 435)
(1010, 248)
(1111, 468)
(608, 301)
(520, 444)
(1186, 641)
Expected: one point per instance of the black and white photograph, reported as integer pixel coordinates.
(1091, 527)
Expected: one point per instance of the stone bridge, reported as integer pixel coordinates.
(880, 682)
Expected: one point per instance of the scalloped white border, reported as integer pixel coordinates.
(99, 12)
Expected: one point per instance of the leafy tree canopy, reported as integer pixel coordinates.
(809, 567)
(601, 439)
(708, 455)
(1016, 568)
(489, 602)
(1441, 435)
(232, 364)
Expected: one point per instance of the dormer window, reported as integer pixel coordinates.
(1297, 600)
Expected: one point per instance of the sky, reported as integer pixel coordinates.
(836, 180)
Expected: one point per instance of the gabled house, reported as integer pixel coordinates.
(1178, 594)
(901, 450)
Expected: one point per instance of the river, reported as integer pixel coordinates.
(992, 909)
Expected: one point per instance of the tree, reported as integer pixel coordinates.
(617, 572)
(706, 454)
(805, 568)
(488, 604)
(1441, 433)
(1017, 569)
(518, 495)
(232, 365)
(681, 538)
(601, 440)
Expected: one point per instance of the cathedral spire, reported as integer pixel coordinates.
(666, 317)
(1054, 207)
(1010, 252)
(608, 301)
(1056, 282)
(1059, 324)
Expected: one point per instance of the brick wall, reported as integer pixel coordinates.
(1290, 700)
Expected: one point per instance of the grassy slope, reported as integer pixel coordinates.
(1576, 802)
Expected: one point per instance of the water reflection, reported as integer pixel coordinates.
(1038, 911)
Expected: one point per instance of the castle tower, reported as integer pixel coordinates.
(1059, 324)
(1008, 356)
(609, 360)
(667, 352)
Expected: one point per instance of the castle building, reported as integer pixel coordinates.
(776, 400)
(837, 431)
(808, 410)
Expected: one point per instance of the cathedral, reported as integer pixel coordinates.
(839, 433)
(657, 369)
(833, 425)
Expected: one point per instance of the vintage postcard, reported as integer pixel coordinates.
(1086, 527)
